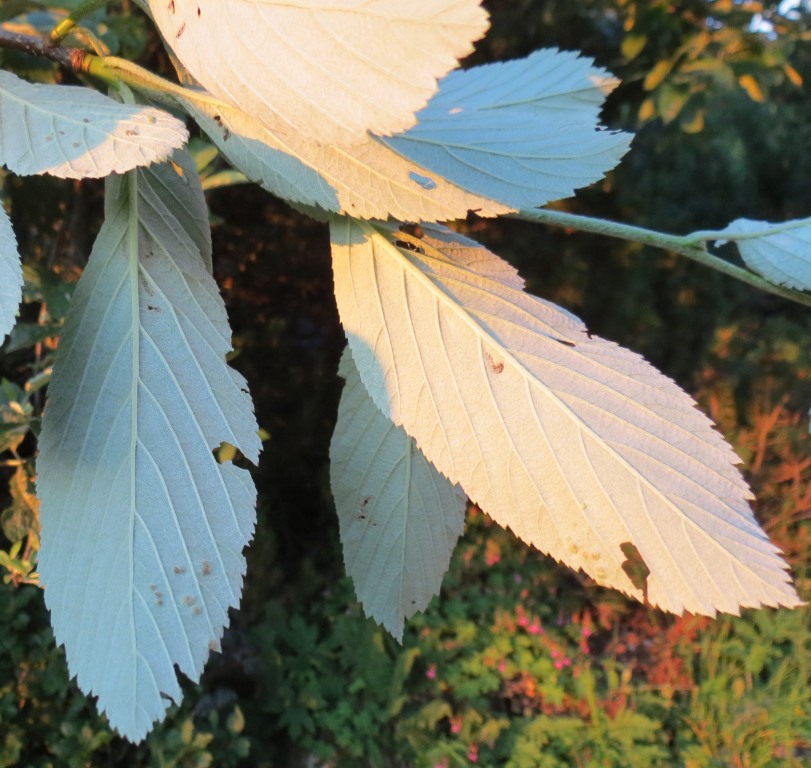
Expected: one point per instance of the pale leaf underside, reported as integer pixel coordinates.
(142, 529)
(75, 132)
(576, 444)
(367, 180)
(779, 252)
(328, 71)
(11, 276)
(521, 134)
(399, 518)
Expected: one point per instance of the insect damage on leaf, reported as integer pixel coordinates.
(634, 565)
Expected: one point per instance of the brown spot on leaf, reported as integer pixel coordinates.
(206, 569)
(180, 31)
(188, 600)
(495, 367)
(178, 569)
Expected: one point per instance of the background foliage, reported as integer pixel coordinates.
(520, 663)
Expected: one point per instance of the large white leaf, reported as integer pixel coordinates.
(529, 129)
(11, 276)
(576, 444)
(74, 132)
(399, 517)
(142, 529)
(779, 252)
(328, 70)
(522, 132)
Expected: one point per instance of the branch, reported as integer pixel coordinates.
(36, 45)
(692, 246)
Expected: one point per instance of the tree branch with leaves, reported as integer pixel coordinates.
(459, 384)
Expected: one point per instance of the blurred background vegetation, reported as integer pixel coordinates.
(520, 663)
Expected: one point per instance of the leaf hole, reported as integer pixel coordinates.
(426, 182)
(636, 569)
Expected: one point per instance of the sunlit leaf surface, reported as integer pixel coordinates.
(576, 444)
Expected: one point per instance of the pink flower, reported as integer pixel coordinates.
(430, 673)
(502, 665)
(535, 628)
(456, 724)
(473, 753)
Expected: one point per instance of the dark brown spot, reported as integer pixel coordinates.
(153, 308)
(206, 570)
(171, 6)
(188, 600)
(180, 31)
(178, 569)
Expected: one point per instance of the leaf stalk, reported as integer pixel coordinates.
(692, 246)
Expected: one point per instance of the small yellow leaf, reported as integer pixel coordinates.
(750, 85)
(632, 46)
(647, 111)
(694, 124)
(658, 74)
(793, 75)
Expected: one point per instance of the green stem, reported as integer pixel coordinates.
(66, 26)
(113, 70)
(692, 246)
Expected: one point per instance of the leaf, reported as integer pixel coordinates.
(142, 528)
(752, 88)
(552, 103)
(399, 517)
(22, 517)
(74, 132)
(576, 444)
(11, 275)
(368, 180)
(328, 71)
(521, 132)
(15, 415)
(779, 252)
